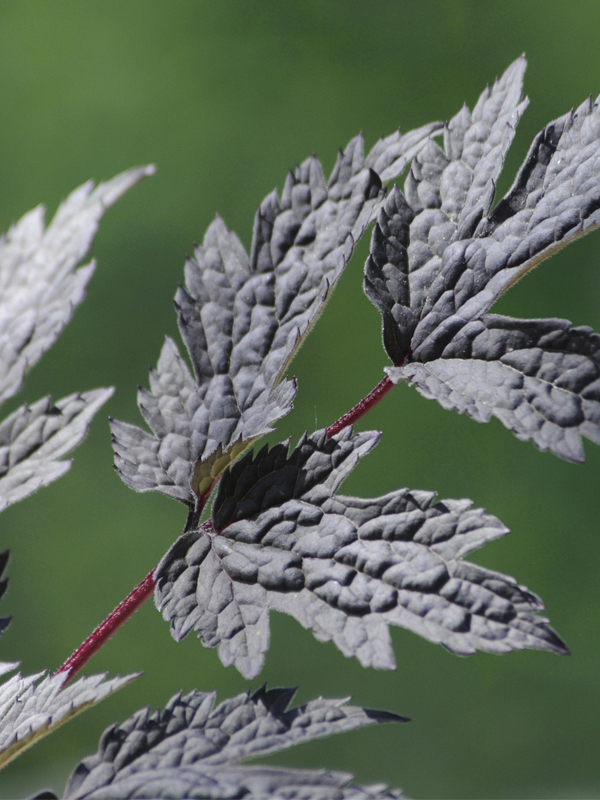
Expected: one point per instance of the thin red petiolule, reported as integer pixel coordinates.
(111, 625)
(360, 409)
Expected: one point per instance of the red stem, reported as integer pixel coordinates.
(111, 625)
(113, 622)
(360, 409)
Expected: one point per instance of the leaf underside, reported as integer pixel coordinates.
(243, 317)
(191, 749)
(440, 257)
(281, 538)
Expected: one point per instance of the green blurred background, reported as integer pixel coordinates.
(225, 97)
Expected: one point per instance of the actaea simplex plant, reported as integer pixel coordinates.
(279, 534)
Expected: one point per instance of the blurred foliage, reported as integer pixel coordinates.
(225, 97)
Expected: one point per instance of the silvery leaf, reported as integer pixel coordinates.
(281, 538)
(34, 438)
(40, 282)
(191, 749)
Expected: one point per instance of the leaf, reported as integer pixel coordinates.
(190, 747)
(4, 621)
(252, 783)
(30, 708)
(34, 438)
(39, 283)
(541, 378)
(243, 318)
(440, 258)
(281, 538)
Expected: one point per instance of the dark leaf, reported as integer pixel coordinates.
(251, 783)
(242, 319)
(440, 259)
(281, 538)
(34, 438)
(4, 621)
(188, 749)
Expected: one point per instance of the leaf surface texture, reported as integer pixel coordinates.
(243, 317)
(192, 749)
(281, 538)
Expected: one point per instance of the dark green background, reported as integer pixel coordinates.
(225, 96)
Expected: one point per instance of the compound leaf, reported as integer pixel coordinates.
(281, 538)
(39, 283)
(34, 438)
(243, 317)
(440, 258)
(191, 748)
